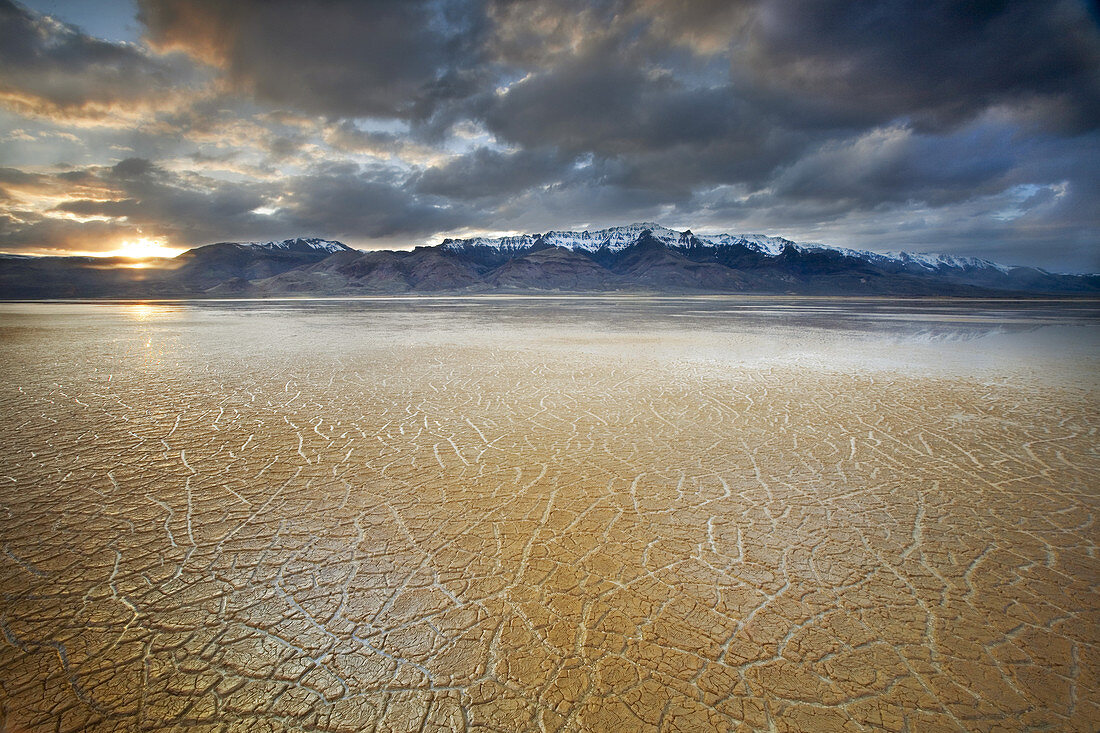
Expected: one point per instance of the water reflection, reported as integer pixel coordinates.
(920, 336)
(144, 311)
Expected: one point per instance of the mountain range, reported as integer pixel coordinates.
(640, 258)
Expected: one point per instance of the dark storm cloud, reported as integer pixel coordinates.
(351, 202)
(133, 198)
(345, 136)
(19, 232)
(896, 164)
(391, 58)
(804, 73)
(591, 103)
(982, 178)
(938, 62)
(136, 197)
(52, 69)
(578, 203)
(143, 196)
(131, 168)
(487, 172)
(14, 175)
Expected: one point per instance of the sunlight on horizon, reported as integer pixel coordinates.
(143, 248)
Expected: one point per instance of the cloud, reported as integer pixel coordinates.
(61, 236)
(936, 62)
(393, 58)
(487, 172)
(50, 69)
(897, 164)
(358, 203)
(96, 207)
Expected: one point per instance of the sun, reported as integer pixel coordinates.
(144, 248)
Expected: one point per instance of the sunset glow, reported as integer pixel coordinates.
(144, 248)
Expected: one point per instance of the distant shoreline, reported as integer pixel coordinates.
(1014, 297)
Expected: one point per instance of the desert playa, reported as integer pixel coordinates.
(549, 514)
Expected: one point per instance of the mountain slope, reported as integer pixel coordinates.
(225, 268)
(643, 257)
(763, 263)
(206, 267)
(425, 269)
(552, 268)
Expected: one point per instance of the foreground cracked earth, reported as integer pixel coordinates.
(454, 536)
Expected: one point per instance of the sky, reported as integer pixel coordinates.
(963, 127)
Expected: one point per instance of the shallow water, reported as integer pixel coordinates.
(549, 513)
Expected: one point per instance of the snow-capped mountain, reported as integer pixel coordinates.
(761, 243)
(241, 262)
(300, 243)
(616, 239)
(923, 260)
(643, 257)
(613, 239)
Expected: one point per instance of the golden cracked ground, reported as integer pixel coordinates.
(238, 520)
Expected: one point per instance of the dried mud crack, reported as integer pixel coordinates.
(423, 537)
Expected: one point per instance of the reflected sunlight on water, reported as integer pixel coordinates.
(145, 311)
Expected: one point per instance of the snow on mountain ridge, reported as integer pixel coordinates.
(927, 260)
(614, 238)
(619, 238)
(504, 244)
(327, 245)
(933, 261)
(771, 246)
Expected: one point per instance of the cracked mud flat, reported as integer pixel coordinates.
(517, 514)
